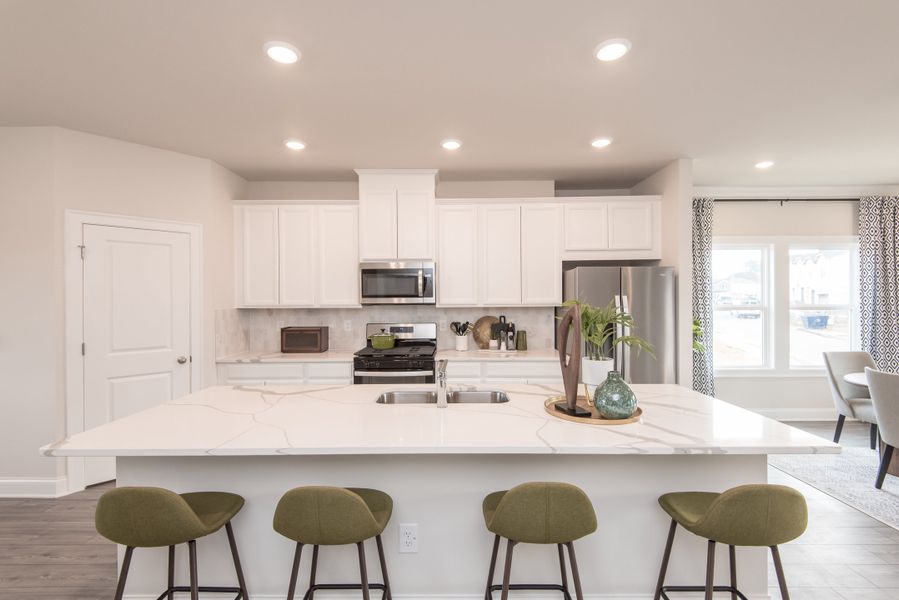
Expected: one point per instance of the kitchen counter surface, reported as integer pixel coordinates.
(347, 356)
(474, 354)
(345, 420)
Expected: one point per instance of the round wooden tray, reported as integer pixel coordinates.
(594, 419)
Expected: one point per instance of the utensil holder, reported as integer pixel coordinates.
(462, 343)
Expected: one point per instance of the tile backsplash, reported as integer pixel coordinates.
(259, 329)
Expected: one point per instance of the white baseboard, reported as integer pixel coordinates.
(39, 487)
(798, 414)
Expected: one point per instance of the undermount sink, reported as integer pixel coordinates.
(454, 397)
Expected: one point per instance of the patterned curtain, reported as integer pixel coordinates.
(703, 365)
(878, 244)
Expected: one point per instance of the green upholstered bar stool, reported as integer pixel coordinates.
(150, 517)
(334, 516)
(538, 513)
(748, 515)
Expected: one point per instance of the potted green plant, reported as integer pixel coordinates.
(598, 327)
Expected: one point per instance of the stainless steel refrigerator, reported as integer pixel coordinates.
(648, 294)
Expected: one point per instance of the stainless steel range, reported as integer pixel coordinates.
(411, 360)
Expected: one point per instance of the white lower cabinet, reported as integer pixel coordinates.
(503, 371)
(293, 373)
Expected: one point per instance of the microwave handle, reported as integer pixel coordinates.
(421, 283)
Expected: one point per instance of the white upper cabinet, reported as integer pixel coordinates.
(541, 254)
(396, 214)
(612, 228)
(296, 255)
(457, 255)
(500, 237)
(257, 240)
(338, 251)
(296, 227)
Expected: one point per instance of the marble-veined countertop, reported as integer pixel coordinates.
(473, 354)
(344, 419)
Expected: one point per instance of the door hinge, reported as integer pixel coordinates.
(82, 348)
(81, 248)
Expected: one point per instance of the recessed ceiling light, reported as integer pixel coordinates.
(611, 50)
(282, 52)
(294, 144)
(765, 164)
(601, 142)
(451, 144)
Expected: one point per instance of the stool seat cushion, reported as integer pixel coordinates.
(748, 515)
(148, 517)
(540, 513)
(332, 516)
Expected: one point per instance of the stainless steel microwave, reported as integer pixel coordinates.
(400, 282)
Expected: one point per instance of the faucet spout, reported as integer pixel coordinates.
(441, 383)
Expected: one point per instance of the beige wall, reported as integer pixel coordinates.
(52, 170)
(349, 190)
(674, 182)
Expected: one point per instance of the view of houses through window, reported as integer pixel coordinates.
(780, 303)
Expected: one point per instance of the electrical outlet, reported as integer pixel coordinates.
(442, 325)
(347, 325)
(408, 538)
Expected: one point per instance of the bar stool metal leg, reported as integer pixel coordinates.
(310, 593)
(192, 551)
(564, 572)
(507, 572)
(578, 592)
(363, 573)
(779, 569)
(492, 568)
(710, 572)
(665, 557)
(236, 557)
(171, 594)
(387, 595)
(292, 587)
(733, 572)
(126, 564)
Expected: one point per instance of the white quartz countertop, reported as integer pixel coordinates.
(344, 419)
(347, 356)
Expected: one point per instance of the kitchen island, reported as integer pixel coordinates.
(438, 464)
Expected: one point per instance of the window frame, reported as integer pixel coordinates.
(778, 326)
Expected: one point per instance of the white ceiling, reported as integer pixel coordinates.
(810, 84)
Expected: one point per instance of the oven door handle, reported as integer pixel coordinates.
(421, 283)
(392, 373)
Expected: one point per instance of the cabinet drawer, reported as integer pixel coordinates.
(331, 371)
(264, 371)
(523, 370)
(463, 369)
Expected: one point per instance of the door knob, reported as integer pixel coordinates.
(182, 360)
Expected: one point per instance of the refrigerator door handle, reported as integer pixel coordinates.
(625, 331)
(619, 358)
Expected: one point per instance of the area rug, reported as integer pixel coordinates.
(848, 477)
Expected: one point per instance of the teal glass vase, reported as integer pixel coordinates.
(614, 399)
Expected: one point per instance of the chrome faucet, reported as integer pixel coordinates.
(441, 383)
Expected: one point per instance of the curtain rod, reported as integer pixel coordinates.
(782, 200)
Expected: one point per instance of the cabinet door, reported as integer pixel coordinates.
(338, 264)
(377, 227)
(457, 255)
(259, 246)
(586, 226)
(500, 272)
(541, 254)
(630, 226)
(415, 224)
(296, 225)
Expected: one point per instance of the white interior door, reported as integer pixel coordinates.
(136, 325)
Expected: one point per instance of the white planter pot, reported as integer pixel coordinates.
(594, 372)
(462, 343)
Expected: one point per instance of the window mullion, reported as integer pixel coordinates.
(780, 305)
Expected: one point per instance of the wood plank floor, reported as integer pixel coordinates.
(50, 550)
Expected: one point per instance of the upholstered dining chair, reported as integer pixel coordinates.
(850, 400)
(885, 397)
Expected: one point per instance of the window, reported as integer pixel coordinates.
(739, 291)
(779, 302)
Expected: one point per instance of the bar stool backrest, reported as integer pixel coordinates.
(885, 398)
(146, 517)
(544, 513)
(755, 515)
(324, 515)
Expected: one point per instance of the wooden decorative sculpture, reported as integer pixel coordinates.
(571, 363)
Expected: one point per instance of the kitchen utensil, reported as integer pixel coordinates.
(382, 341)
(482, 331)
(521, 340)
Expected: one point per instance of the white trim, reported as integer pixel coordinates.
(38, 487)
(75, 220)
(788, 192)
